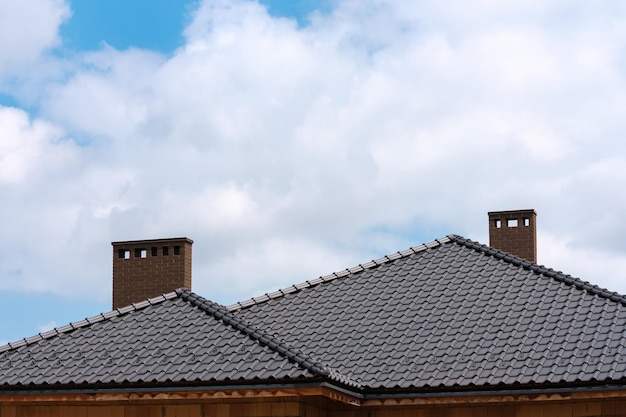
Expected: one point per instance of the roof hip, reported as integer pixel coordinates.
(539, 269)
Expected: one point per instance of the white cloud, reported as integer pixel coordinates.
(285, 262)
(288, 152)
(27, 29)
(598, 266)
(29, 148)
(107, 99)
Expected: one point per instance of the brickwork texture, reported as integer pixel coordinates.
(147, 268)
(514, 232)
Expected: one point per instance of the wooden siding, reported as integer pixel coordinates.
(595, 408)
(308, 402)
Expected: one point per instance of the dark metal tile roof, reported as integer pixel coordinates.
(176, 338)
(449, 314)
(452, 314)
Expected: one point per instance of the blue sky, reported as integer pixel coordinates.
(157, 24)
(293, 139)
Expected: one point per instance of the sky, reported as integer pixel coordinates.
(293, 139)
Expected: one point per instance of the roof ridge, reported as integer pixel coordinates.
(87, 322)
(222, 313)
(330, 277)
(540, 269)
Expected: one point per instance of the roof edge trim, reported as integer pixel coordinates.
(278, 389)
(330, 277)
(539, 269)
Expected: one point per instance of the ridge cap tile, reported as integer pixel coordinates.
(48, 334)
(340, 274)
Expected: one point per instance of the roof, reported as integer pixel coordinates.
(448, 315)
(178, 338)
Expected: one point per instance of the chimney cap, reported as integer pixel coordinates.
(148, 241)
(511, 212)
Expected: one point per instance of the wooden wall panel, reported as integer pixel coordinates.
(592, 408)
(309, 410)
(290, 407)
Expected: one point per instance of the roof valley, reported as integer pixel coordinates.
(220, 312)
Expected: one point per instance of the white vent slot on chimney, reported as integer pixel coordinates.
(511, 223)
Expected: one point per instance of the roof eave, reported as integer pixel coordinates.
(201, 391)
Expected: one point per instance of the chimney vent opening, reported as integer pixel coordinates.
(511, 223)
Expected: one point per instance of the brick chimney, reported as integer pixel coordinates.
(514, 232)
(147, 268)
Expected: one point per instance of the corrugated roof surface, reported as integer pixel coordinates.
(451, 313)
